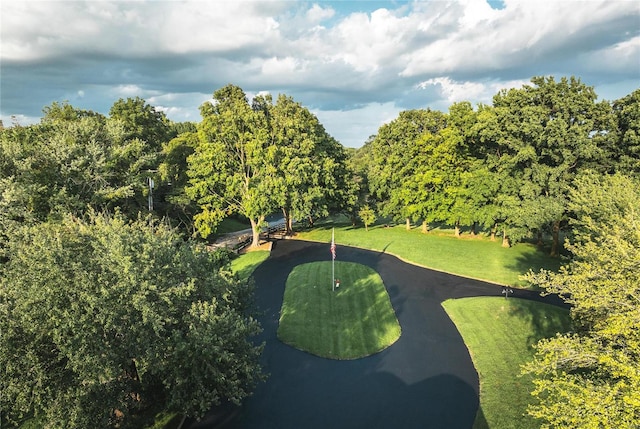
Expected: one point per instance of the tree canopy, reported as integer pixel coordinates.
(508, 165)
(105, 320)
(233, 168)
(253, 159)
(591, 377)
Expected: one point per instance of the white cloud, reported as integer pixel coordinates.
(476, 11)
(353, 127)
(318, 14)
(453, 91)
(280, 66)
(130, 91)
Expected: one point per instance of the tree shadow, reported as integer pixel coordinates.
(480, 421)
(544, 320)
(353, 397)
(384, 249)
(535, 261)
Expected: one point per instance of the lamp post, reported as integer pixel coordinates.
(506, 290)
(151, 186)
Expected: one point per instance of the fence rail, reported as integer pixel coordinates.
(276, 231)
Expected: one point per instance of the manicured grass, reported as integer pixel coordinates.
(354, 321)
(245, 264)
(499, 334)
(478, 257)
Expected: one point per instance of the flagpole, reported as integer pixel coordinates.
(333, 262)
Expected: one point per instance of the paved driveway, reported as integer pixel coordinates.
(425, 380)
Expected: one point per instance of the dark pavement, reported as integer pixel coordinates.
(425, 380)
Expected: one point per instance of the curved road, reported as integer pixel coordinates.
(425, 380)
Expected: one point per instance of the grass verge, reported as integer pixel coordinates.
(245, 264)
(477, 257)
(354, 321)
(499, 334)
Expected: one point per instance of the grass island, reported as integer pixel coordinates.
(353, 321)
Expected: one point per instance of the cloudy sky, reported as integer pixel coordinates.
(355, 64)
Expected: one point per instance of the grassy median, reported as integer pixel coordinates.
(354, 321)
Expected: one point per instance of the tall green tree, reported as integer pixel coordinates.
(142, 121)
(495, 184)
(312, 164)
(76, 159)
(64, 163)
(233, 168)
(359, 161)
(105, 322)
(174, 179)
(625, 135)
(143, 133)
(591, 378)
(394, 151)
(550, 131)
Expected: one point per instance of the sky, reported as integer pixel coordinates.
(354, 64)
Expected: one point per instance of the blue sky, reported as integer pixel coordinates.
(354, 64)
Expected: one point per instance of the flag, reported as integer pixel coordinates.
(333, 246)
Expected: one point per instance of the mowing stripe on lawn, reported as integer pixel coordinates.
(354, 321)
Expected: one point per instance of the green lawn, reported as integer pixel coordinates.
(478, 258)
(244, 264)
(354, 321)
(499, 334)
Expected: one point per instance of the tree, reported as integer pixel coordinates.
(591, 378)
(311, 164)
(495, 184)
(368, 216)
(625, 141)
(76, 159)
(393, 159)
(440, 175)
(143, 122)
(550, 132)
(174, 179)
(143, 131)
(359, 161)
(104, 322)
(233, 168)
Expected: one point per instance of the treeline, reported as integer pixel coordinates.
(505, 168)
(109, 315)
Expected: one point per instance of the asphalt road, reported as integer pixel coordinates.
(425, 380)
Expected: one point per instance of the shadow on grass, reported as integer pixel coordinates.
(534, 259)
(544, 320)
(384, 249)
(480, 422)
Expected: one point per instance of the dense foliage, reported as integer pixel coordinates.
(254, 159)
(104, 322)
(507, 166)
(591, 377)
(77, 159)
